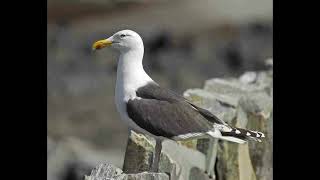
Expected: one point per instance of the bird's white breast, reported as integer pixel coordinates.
(130, 77)
(122, 95)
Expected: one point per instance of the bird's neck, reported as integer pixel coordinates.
(130, 72)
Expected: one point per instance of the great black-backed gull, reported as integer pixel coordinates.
(150, 109)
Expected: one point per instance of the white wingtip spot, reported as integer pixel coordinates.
(248, 134)
(237, 131)
(261, 134)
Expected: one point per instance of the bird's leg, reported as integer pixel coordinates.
(211, 155)
(156, 157)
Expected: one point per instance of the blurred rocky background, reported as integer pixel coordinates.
(186, 43)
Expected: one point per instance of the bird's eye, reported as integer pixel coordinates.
(122, 35)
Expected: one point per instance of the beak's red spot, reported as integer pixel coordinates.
(98, 46)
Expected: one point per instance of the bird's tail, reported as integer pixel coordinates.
(238, 135)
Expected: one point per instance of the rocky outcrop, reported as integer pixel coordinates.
(70, 158)
(108, 171)
(245, 102)
(177, 160)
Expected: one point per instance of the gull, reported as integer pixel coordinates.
(148, 108)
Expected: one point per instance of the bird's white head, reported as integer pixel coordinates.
(123, 41)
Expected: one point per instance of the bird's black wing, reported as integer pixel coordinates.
(164, 113)
(167, 119)
(154, 91)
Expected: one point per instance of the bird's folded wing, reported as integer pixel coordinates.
(154, 91)
(167, 119)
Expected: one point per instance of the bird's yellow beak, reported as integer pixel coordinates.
(101, 44)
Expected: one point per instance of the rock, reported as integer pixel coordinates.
(196, 174)
(245, 102)
(234, 158)
(138, 157)
(209, 149)
(248, 77)
(107, 171)
(176, 159)
(223, 107)
(71, 158)
(252, 160)
(261, 119)
(147, 176)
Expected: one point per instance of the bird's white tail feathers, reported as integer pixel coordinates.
(237, 135)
